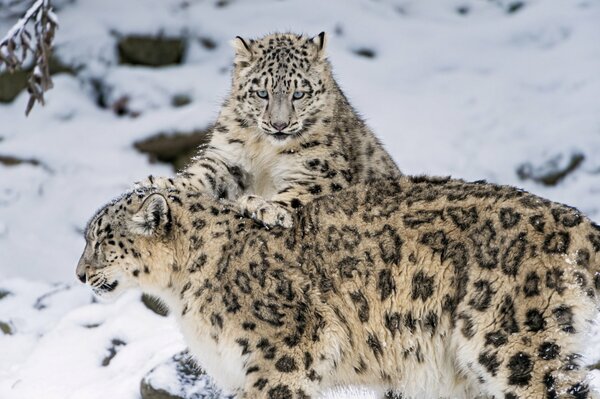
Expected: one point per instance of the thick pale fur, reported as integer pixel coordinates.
(324, 148)
(431, 287)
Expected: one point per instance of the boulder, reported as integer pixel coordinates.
(179, 378)
(5, 328)
(151, 51)
(176, 149)
(4, 293)
(12, 83)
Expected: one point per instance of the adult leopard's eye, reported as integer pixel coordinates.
(297, 95)
(262, 94)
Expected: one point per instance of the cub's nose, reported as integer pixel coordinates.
(81, 277)
(279, 125)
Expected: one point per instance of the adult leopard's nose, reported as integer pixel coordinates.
(81, 270)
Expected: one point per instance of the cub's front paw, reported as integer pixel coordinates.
(265, 212)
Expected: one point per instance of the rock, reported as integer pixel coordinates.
(208, 43)
(12, 83)
(151, 51)
(178, 378)
(179, 100)
(365, 52)
(223, 3)
(551, 172)
(5, 328)
(463, 10)
(392, 395)
(514, 7)
(176, 149)
(115, 344)
(155, 305)
(8, 160)
(4, 293)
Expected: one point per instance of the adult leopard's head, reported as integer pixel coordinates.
(281, 84)
(123, 241)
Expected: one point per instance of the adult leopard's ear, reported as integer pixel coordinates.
(320, 42)
(243, 51)
(153, 217)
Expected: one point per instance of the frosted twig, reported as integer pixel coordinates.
(41, 19)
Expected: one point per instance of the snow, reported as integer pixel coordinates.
(474, 96)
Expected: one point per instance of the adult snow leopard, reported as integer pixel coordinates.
(432, 287)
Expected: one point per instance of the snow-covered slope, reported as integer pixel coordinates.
(460, 87)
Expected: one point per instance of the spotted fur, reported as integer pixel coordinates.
(272, 152)
(431, 287)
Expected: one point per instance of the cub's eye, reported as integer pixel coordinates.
(262, 94)
(297, 95)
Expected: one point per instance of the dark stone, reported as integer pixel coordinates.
(514, 7)
(4, 293)
(13, 83)
(5, 328)
(115, 344)
(151, 51)
(365, 52)
(176, 149)
(180, 100)
(187, 374)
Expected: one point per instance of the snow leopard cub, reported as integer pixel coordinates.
(286, 134)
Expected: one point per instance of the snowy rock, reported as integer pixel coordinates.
(552, 171)
(365, 52)
(115, 345)
(12, 83)
(178, 378)
(3, 293)
(8, 160)
(5, 328)
(176, 149)
(180, 100)
(151, 51)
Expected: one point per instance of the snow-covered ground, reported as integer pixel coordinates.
(460, 87)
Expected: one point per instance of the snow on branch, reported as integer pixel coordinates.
(19, 44)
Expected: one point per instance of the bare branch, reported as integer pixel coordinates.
(41, 19)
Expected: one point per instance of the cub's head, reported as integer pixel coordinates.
(123, 242)
(281, 84)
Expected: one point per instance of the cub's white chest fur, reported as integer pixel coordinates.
(263, 161)
(218, 355)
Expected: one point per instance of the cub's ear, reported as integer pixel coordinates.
(153, 217)
(320, 42)
(243, 51)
